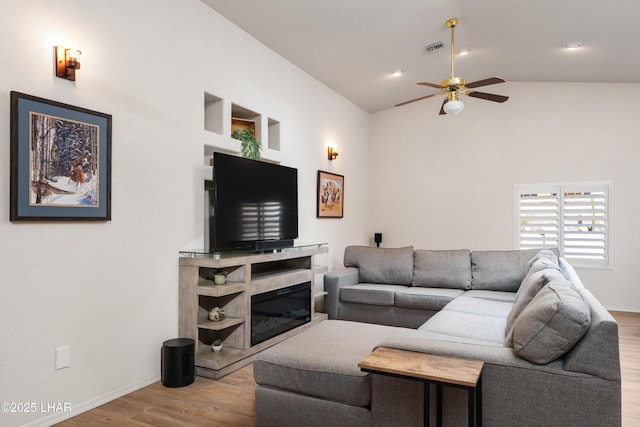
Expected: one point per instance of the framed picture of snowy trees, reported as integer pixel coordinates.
(60, 161)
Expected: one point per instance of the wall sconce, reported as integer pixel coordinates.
(332, 152)
(67, 62)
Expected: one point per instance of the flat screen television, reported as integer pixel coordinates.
(254, 204)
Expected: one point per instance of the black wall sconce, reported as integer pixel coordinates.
(332, 152)
(377, 237)
(67, 62)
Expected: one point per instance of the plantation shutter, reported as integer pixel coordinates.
(539, 213)
(585, 224)
(574, 218)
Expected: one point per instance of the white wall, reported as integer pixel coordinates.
(109, 290)
(449, 181)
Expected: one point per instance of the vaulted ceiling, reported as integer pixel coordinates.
(352, 46)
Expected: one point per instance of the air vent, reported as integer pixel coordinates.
(433, 47)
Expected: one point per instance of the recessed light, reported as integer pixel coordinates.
(397, 73)
(572, 45)
(463, 51)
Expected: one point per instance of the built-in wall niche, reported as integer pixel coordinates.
(273, 142)
(243, 118)
(213, 113)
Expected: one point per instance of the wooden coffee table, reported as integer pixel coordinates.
(431, 369)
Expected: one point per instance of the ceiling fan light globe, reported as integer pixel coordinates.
(453, 107)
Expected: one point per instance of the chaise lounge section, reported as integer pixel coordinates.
(550, 348)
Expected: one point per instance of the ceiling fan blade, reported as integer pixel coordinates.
(488, 96)
(416, 99)
(435, 85)
(442, 112)
(485, 82)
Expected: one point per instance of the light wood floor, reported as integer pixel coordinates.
(230, 400)
(629, 334)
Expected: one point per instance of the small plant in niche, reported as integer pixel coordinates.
(249, 147)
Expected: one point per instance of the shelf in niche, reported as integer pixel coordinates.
(237, 123)
(243, 118)
(221, 324)
(212, 290)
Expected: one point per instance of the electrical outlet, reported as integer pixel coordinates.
(62, 357)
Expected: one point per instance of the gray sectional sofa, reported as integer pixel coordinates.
(550, 348)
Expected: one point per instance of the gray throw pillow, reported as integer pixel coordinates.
(552, 323)
(550, 255)
(442, 269)
(535, 280)
(392, 266)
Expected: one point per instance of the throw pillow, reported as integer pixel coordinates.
(535, 280)
(547, 254)
(552, 324)
(392, 266)
(442, 269)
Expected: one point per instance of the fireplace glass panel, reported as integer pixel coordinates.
(279, 311)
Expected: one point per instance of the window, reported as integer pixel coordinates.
(572, 217)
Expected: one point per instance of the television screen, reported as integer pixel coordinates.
(253, 202)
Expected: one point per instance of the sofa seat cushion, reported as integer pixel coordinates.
(481, 305)
(499, 270)
(370, 293)
(425, 298)
(435, 336)
(322, 361)
(491, 295)
(467, 326)
(381, 265)
(552, 323)
(442, 269)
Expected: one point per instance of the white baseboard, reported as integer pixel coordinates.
(626, 309)
(79, 408)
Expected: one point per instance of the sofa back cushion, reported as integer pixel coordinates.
(499, 270)
(393, 266)
(442, 269)
(552, 323)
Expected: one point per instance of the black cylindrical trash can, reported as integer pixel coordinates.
(177, 362)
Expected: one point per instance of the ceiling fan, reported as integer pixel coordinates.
(454, 86)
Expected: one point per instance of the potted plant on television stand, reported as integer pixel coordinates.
(249, 147)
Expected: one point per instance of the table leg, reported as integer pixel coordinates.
(471, 412)
(426, 401)
(479, 402)
(438, 405)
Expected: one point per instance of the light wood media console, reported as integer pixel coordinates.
(248, 273)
